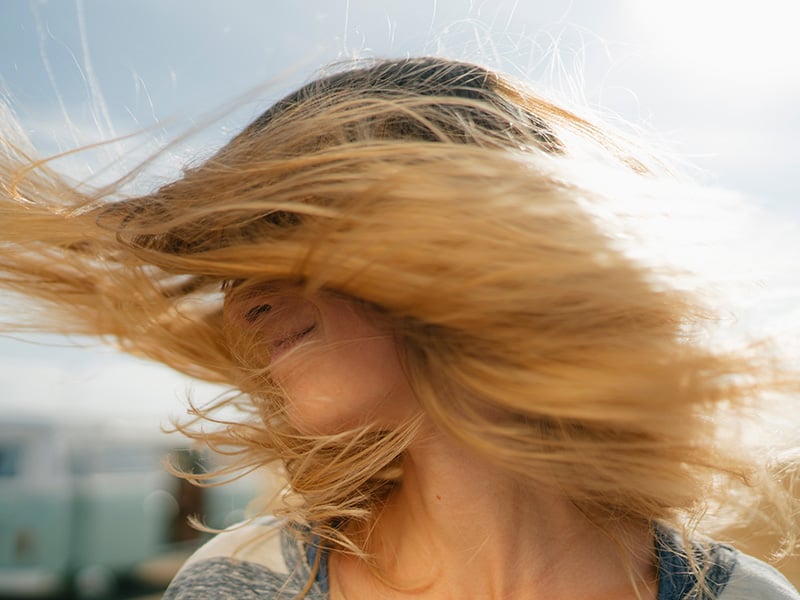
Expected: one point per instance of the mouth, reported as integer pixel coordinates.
(282, 345)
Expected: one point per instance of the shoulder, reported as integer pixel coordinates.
(257, 560)
(752, 579)
(258, 541)
(728, 573)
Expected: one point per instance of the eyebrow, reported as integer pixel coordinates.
(230, 284)
(269, 286)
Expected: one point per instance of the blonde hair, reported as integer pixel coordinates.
(445, 195)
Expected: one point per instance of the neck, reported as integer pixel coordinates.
(458, 527)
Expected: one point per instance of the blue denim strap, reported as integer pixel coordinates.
(312, 548)
(677, 580)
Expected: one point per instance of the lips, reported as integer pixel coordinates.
(284, 343)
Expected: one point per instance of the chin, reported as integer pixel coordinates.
(323, 413)
(319, 416)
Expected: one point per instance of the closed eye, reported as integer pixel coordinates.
(255, 312)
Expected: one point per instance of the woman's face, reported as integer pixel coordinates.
(335, 359)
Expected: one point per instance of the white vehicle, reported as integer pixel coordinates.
(84, 507)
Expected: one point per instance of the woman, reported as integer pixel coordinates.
(475, 388)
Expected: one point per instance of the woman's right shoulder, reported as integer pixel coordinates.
(258, 541)
(259, 559)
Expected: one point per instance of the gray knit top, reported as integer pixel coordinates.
(265, 561)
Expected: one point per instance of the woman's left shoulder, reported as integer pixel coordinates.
(752, 579)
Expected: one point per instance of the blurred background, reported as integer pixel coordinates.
(84, 500)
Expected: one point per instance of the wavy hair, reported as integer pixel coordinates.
(450, 198)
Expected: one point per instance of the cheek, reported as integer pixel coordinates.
(333, 387)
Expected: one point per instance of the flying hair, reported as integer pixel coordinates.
(446, 197)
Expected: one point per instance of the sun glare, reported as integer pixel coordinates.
(747, 42)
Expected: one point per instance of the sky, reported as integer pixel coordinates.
(716, 82)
